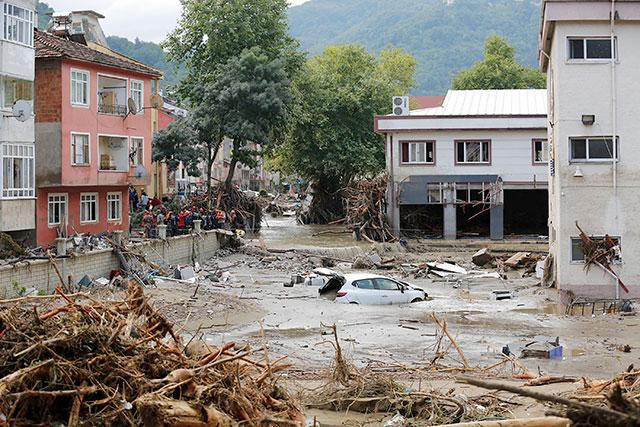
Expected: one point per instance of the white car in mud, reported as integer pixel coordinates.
(371, 289)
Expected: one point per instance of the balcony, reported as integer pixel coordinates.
(114, 154)
(112, 96)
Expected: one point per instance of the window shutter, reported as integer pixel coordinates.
(405, 152)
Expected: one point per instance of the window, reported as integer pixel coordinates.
(434, 194)
(57, 212)
(18, 24)
(137, 151)
(18, 171)
(594, 149)
(137, 93)
(114, 206)
(79, 87)
(15, 89)
(577, 253)
(364, 284)
(540, 151)
(79, 149)
(88, 207)
(592, 49)
(473, 152)
(386, 285)
(418, 152)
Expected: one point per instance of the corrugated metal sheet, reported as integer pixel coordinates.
(490, 103)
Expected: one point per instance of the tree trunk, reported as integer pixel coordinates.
(232, 168)
(210, 157)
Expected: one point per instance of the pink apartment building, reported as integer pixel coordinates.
(90, 144)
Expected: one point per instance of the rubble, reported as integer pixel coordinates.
(365, 210)
(482, 257)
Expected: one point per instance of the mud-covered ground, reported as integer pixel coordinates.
(250, 304)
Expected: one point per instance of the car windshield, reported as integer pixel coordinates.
(364, 284)
(386, 285)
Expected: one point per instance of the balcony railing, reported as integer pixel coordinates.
(113, 109)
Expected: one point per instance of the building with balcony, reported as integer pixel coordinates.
(94, 133)
(17, 149)
(590, 56)
(473, 164)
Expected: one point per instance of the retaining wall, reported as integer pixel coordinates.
(40, 274)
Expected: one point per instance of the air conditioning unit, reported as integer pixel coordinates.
(400, 105)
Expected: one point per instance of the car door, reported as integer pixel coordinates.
(366, 293)
(389, 291)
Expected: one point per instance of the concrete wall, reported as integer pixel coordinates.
(591, 200)
(17, 214)
(41, 275)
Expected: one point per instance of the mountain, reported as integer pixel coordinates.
(445, 36)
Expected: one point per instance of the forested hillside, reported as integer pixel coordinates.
(444, 35)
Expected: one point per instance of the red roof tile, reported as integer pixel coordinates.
(51, 46)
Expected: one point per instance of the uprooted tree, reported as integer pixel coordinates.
(331, 140)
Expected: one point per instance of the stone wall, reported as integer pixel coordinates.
(40, 274)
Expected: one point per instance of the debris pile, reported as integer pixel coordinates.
(365, 207)
(76, 360)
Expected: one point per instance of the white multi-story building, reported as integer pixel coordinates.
(589, 50)
(17, 69)
(476, 165)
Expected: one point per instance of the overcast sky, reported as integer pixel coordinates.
(149, 21)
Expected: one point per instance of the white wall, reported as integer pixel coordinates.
(592, 200)
(511, 155)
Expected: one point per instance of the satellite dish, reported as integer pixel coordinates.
(133, 108)
(156, 101)
(22, 110)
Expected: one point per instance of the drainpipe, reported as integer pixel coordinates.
(614, 120)
(614, 100)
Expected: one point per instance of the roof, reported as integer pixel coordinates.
(51, 46)
(504, 102)
(427, 101)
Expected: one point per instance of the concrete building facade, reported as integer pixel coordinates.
(474, 166)
(589, 50)
(17, 134)
(94, 143)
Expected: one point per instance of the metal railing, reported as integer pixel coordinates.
(114, 109)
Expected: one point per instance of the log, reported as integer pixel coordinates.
(546, 397)
(157, 411)
(520, 422)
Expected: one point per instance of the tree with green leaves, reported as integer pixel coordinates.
(250, 97)
(331, 138)
(211, 32)
(246, 103)
(498, 70)
(193, 140)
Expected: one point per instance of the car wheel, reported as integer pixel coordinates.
(417, 300)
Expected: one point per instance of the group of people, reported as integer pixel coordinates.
(141, 202)
(181, 222)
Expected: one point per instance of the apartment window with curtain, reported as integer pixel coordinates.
(419, 152)
(114, 206)
(18, 24)
(18, 172)
(79, 149)
(79, 87)
(473, 152)
(137, 151)
(88, 207)
(137, 93)
(15, 89)
(57, 209)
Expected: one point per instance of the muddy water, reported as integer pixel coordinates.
(286, 233)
